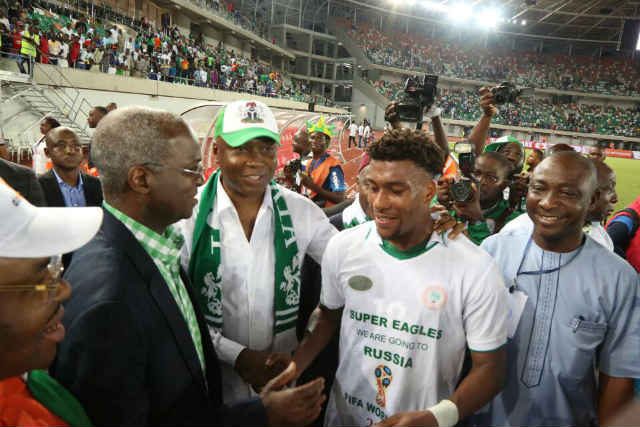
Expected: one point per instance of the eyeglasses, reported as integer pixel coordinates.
(198, 172)
(51, 285)
(62, 146)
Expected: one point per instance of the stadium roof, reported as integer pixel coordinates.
(589, 20)
(582, 19)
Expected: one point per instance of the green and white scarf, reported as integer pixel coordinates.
(354, 215)
(206, 260)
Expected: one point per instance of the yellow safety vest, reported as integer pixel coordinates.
(27, 48)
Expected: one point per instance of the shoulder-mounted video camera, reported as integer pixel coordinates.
(419, 95)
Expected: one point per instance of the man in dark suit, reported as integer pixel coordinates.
(23, 180)
(65, 185)
(137, 350)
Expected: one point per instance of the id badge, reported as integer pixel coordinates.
(516, 301)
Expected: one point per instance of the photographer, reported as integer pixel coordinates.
(292, 170)
(417, 104)
(511, 148)
(485, 210)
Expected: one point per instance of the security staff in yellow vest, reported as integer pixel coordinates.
(30, 40)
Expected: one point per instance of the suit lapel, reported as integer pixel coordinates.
(159, 291)
(53, 194)
(214, 376)
(90, 191)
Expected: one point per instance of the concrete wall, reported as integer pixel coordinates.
(364, 107)
(115, 86)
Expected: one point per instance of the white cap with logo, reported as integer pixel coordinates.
(27, 231)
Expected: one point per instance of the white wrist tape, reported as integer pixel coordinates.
(446, 413)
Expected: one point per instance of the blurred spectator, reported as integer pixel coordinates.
(95, 115)
(40, 161)
(31, 310)
(65, 184)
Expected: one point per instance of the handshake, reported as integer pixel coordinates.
(270, 374)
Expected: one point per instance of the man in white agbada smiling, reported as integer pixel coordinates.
(244, 246)
(409, 301)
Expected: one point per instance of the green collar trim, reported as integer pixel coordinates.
(495, 211)
(413, 252)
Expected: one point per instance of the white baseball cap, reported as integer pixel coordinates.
(27, 231)
(239, 122)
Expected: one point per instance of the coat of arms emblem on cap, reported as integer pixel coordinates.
(252, 113)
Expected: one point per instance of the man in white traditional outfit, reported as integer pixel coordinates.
(244, 246)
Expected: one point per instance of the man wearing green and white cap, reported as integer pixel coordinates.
(244, 246)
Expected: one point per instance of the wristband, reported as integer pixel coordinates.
(445, 413)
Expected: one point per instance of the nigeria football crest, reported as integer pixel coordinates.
(252, 113)
(383, 380)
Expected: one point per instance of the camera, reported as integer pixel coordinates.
(461, 190)
(507, 92)
(293, 167)
(419, 94)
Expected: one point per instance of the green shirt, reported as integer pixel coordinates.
(496, 216)
(165, 251)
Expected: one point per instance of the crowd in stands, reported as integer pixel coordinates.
(445, 58)
(462, 104)
(166, 54)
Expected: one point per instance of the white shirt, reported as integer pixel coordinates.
(407, 318)
(353, 129)
(596, 231)
(360, 130)
(39, 159)
(248, 275)
(367, 131)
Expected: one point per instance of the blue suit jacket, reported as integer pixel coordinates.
(128, 355)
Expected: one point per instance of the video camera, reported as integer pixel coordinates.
(507, 92)
(419, 95)
(461, 190)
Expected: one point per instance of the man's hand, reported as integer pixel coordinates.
(258, 367)
(446, 223)
(307, 181)
(405, 419)
(487, 103)
(470, 210)
(391, 115)
(518, 189)
(292, 406)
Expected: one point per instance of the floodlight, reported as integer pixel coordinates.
(490, 17)
(523, 22)
(460, 12)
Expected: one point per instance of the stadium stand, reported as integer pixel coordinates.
(434, 56)
(462, 104)
(145, 51)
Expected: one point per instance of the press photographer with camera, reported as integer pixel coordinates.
(510, 147)
(417, 103)
(477, 198)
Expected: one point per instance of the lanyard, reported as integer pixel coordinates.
(541, 271)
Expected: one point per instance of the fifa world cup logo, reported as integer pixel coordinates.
(383, 380)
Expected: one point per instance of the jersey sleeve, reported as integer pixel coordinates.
(332, 293)
(336, 180)
(485, 311)
(618, 354)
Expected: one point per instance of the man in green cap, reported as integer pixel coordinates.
(244, 246)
